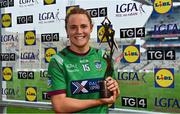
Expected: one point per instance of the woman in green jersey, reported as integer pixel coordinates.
(75, 71)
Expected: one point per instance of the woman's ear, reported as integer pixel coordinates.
(67, 36)
(91, 27)
(66, 32)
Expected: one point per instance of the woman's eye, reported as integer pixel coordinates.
(72, 27)
(83, 26)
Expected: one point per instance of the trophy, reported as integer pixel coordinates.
(108, 34)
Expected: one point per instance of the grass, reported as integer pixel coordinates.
(27, 110)
(139, 89)
(19, 86)
(129, 88)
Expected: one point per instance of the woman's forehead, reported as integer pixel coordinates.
(78, 18)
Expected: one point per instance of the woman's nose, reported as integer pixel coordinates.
(79, 30)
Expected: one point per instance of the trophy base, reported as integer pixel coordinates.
(104, 92)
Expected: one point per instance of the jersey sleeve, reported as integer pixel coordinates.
(56, 81)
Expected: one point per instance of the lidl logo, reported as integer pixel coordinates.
(164, 77)
(162, 6)
(101, 33)
(49, 2)
(7, 73)
(48, 53)
(31, 93)
(131, 54)
(69, 8)
(6, 20)
(30, 37)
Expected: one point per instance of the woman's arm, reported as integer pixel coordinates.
(61, 103)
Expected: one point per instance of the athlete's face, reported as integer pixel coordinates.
(78, 30)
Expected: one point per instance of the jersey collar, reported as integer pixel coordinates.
(79, 54)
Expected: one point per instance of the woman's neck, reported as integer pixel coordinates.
(80, 50)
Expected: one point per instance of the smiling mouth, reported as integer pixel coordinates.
(79, 37)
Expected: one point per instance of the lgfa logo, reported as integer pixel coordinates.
(131, 54)
(162, 6)
(7, 73)
(49, 2)
(48, 53)
(30, 37)
(6, 20)
(164, 77)
(101, 32)
(31, 93)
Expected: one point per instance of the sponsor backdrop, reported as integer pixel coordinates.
(146, 32)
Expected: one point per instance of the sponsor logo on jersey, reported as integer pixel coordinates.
(6, 20)
(162, 6)
(84, 61)
(7, 73)
(131, 54)
(164, 77)
(72, 68)
(85, 86)
(31, 93)
(49, 2)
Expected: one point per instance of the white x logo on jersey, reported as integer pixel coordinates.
(80, 87)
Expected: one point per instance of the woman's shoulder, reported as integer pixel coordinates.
(59, 56)
(99, 51)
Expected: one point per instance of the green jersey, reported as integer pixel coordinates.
(78, 75)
